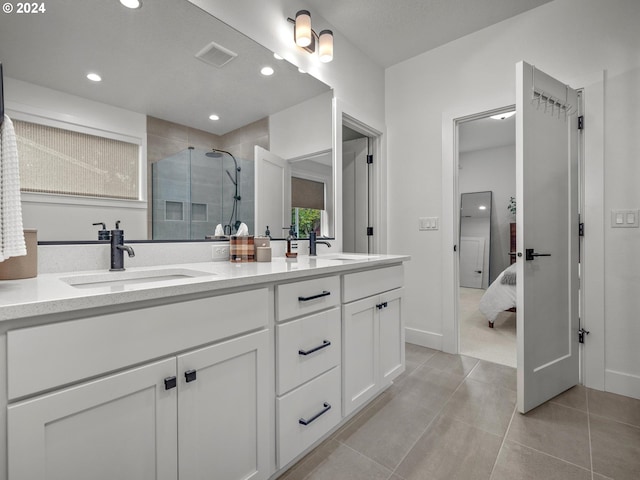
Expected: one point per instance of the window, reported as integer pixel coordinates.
(59, 161)
(307, 205)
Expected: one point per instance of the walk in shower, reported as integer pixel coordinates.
(194, 192)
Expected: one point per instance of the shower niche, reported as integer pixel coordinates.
(193, 191)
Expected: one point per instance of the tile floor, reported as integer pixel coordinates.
(451, 417)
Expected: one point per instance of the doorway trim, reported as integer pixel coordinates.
(345, 115)
(451, 220)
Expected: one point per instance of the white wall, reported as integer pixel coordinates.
(571, 40)
(303, 129)
(493, 169)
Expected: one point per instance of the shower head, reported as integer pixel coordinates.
(215, 153)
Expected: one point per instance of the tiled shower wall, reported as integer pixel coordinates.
(167, 138)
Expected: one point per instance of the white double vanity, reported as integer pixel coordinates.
(204, 370)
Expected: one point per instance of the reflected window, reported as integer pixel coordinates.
(64, 162)
(307, 206)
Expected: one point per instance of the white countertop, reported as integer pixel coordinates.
(51, 293)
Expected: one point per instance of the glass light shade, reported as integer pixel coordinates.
(325, 49)
(302, 31)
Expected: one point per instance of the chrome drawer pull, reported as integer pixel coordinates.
(326, 408)
(313, 297)
(325, 344)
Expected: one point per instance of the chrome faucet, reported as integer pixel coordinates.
(118, 248)
(313, 241)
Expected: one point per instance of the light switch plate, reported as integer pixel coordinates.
(624, 219)
(428, 223)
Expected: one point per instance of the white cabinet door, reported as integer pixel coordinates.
(373, 346)
(120, 426)
(223, 411)
(391, 336)
(360, 338)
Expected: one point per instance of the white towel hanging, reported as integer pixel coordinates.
(12, 242)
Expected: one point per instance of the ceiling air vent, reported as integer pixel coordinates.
(216, 55)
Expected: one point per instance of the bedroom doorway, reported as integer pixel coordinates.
(486, 185)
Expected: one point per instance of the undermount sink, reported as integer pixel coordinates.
(115, 279)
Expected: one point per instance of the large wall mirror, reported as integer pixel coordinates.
(166, 68)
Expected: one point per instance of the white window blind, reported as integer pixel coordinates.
(58, 161)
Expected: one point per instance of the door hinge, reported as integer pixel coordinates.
(581, 229)
(369, 159)
(581, 333)
(581, 122)
(369, 231)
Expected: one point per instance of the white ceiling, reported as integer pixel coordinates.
(483, 133)
(390, 31)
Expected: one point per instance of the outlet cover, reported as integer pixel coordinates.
(220, 252)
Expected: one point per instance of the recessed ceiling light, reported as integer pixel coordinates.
(131, 3)
(214, 117)
(482, 207)
(301, 70)
(503, 116)
(277, 57)
(94, 77)
(266, 71)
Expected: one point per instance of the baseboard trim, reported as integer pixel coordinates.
(423, 338)
(622, 383)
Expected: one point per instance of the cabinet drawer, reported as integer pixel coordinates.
(371, 282)
(316, 403)
(306, 348)
(308, 296)
(44, 357)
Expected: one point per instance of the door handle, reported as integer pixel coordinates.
(530, 254)
(478, 271)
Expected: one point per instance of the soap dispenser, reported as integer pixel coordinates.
(103, 234)
(290, 238)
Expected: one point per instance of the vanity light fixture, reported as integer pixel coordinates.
(305, 37)
(94, 77)
(503, 115)
(133, 4)
(266, 71)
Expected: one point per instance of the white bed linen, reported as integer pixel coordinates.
(498, 297)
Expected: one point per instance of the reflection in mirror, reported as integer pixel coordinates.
(475, 239)
(312, 195)
(160, 84)
(196, 195)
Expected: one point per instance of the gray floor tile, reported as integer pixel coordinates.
(457, 364)
(556, 430)
(346, 464)
(498, 375)
(615, 448)
(575, 397)
(482, 405)
(617, 407)
(428, 386)
(311, 461)
(387, 432)
(516, 461)
(450, 449)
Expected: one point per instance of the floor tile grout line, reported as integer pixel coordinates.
(549, 455)
(504, 439)
(586, 394)
(615, 420)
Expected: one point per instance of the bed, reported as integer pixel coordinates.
(500, 296)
